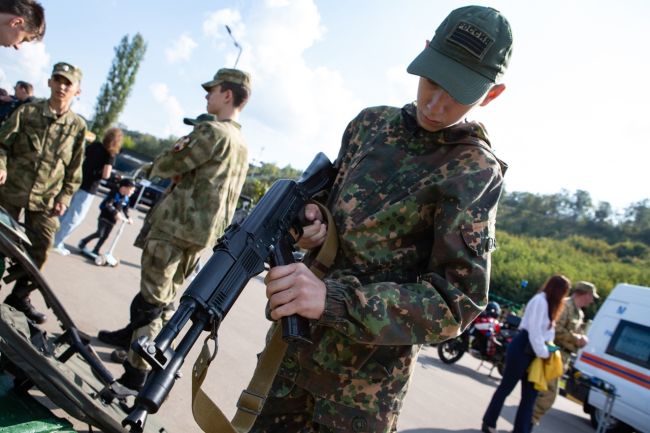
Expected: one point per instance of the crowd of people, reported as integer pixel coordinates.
(413, 207)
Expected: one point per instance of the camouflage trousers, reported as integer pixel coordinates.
(296, 412)
(166, 262)
(40, 227)
(545, 400)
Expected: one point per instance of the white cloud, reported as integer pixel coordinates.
(215, 24)
(400, 86)
(181, 49)
(4, 82)
(172, 107)
(296, 109)
(32, 63)
(35, 64)
(214, 27)
(278, 3)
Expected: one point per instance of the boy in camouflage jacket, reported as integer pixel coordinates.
(414, 204)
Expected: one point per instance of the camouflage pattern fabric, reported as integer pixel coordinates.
(294, 412)
(568, 329)
(40, 228)
(210, 167)
(166, 262)
(413, 264)
(42, 154)
(212, 163)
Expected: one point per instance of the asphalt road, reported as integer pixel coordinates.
(442, 398)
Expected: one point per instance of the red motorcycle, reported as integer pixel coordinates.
(485, 339)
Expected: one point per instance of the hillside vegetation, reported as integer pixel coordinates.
(542, 235)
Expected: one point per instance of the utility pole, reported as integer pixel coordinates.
(236, 45)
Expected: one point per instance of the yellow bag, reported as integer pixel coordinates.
(553, 366)
(541, 371)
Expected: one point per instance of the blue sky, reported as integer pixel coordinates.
(573, 115)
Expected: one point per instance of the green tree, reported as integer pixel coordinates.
(260, 178)
(147, 144)
(121, 77)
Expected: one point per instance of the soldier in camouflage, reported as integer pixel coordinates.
(208, 168)
(41, 151)
(414, 203)
(569, 336)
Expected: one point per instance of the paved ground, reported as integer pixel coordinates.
(441, 399)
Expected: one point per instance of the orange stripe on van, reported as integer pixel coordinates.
(616, 369)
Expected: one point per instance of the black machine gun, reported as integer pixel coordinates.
(240, 254)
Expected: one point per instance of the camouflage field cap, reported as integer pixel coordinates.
(67, 70)
(229, 75)
(205, 117)
(468, 54)
(586, 287)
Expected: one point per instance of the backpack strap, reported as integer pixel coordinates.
(206, 413)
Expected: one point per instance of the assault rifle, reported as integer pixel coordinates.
(240, 254)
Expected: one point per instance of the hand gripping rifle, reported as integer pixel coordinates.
(239, 255)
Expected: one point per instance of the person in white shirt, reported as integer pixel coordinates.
(537, 327)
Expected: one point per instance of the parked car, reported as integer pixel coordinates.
(125, 164)
(152, 192)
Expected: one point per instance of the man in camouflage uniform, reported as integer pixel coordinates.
(569, 336)
(414, 203)
(208, 167)
(41, 151)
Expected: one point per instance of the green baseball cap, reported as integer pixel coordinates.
(67, 70)
(205, 117)
(468, 54)
(231, 76)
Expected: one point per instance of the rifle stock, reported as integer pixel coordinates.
(239, 255)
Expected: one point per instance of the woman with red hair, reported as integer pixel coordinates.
(536, 328)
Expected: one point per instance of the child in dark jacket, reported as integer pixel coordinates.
(114, 208)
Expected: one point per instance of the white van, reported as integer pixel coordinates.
(618, 353)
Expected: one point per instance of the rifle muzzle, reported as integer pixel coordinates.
(136, 420)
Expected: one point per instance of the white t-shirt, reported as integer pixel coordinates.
(536, 322)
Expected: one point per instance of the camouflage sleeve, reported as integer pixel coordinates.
(454, 290)
(73, 172)
(189, 152)
(7, 133)
(565, 337)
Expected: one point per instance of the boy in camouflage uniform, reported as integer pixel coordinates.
(414, 204)
(208, 167)
(41, 151)
(21, 21)
(570, 336)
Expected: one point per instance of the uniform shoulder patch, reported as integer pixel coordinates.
(181, 143)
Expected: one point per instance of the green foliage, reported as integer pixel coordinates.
(631, 252)
(121, 77)
(535, 259)
(563, 214)
(128, 142)
(146, 144)
(259, 179)
(564, 233)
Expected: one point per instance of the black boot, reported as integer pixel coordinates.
(120, 338)
(24, 305)
(133, 378)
